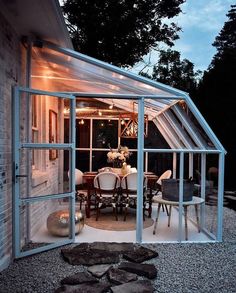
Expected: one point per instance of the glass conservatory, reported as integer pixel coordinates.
(75, 111)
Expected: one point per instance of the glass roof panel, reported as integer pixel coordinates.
(56, 71)
(60, 70)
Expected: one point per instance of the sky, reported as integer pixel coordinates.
(201, 21)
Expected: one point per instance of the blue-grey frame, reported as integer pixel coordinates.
(177, 148)
(17, 146)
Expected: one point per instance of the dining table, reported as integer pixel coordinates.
(88, 178)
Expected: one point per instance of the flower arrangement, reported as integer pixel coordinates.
(118, 157)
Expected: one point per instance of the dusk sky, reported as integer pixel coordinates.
(201, 21)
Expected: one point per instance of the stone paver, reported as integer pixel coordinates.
(99, 270)
(146, 270)
(79, 278)
(140, 254)
(113, 246)
(120, 277)
(90, 257)
(142, 286)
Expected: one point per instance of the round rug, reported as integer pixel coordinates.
(107, 221)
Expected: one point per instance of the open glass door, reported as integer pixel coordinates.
(43, 207)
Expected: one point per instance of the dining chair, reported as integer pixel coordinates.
(129, 184)
(106, 186)
(166, 175)
(81, 193)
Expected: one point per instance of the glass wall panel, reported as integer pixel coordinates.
(154, 139)
(159, 162)
(82, 133)
(43, 175)
(105, 133)
(99, 160)
(43, 121)
(43, 223)
(199, 213)
(131, 143)
(82, 160)
(132, 160)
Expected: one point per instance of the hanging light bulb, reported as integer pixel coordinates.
(111, 106)
(99, 113)
(122, 122)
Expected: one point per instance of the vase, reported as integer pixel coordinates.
(117, 164)
(116, 170)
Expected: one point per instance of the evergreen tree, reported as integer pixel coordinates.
(217, 90)
(175, 72)
(120, 31)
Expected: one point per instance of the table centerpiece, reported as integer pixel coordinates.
(118, 157)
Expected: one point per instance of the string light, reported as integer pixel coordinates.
(111, 106)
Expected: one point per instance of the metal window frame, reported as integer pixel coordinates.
(17, 146)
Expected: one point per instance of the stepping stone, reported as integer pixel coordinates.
(134, 287)
(84, 288)
(120, 277)
(79, 278)
(112, 246)
(108, 246)
(89, 257)
(99, 270)
(82, 246)
(146, 270)
(140, 254)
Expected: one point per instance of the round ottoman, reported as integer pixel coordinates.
(58, 223)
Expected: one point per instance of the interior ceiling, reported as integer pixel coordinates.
(89, 107)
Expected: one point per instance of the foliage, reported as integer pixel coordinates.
(120, 31)
(175, 72)
(225, 43)
(217, 91)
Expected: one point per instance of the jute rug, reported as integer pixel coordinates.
(107, 221)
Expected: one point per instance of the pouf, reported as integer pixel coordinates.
(58, 223)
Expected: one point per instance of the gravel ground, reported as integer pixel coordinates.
(209, 267)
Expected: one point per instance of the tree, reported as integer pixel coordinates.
(225, 43)
(175, 72)
(120, 31)
(217, 92)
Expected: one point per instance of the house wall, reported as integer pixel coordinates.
(11, 60)
(13, 72)
(51, 171)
